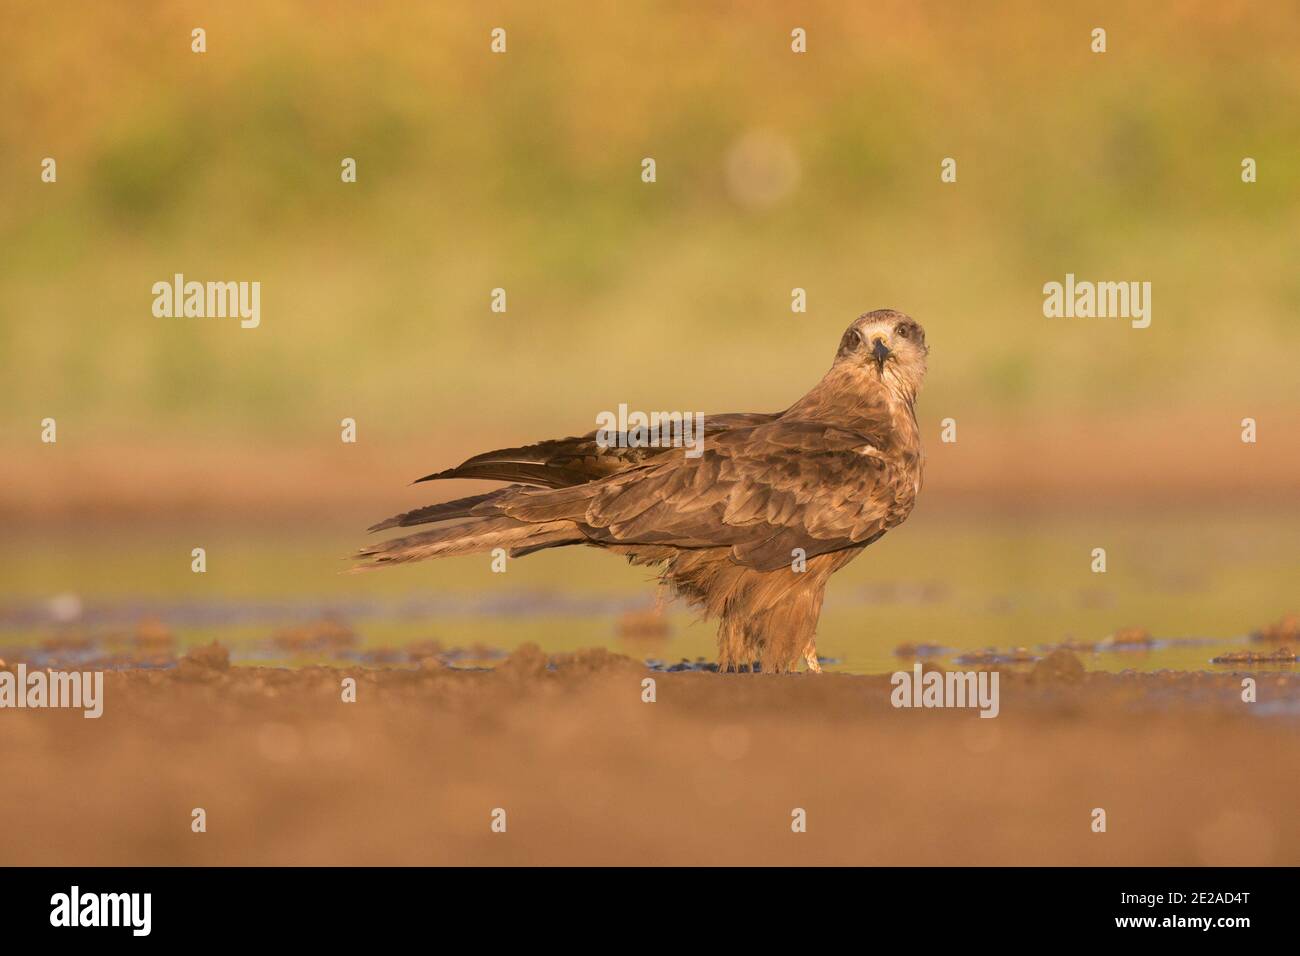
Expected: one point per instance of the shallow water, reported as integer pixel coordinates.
(949, 584)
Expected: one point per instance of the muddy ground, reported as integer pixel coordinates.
(588, 773)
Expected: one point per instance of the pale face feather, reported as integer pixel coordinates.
(885, 347)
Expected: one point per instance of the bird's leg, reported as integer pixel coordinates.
(730, 646)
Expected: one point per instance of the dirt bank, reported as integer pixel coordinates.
(288, 773)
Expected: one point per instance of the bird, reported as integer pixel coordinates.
(748, 530)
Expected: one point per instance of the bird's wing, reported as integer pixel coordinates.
(565, 462)
(762, 491)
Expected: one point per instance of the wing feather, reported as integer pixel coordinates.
(762, 487)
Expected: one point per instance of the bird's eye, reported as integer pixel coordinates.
(902, 332)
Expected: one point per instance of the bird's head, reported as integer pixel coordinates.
(888, 348)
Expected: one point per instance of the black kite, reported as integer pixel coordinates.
(748, 531)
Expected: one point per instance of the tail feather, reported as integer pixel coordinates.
(554, 539)
(554, 481)
(447, 510)
(529, 472)
(556, 463)
(470, 537)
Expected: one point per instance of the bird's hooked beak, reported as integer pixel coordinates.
(880, 350)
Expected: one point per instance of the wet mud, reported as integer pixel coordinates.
(589, 772)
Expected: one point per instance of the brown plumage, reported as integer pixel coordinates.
(728, 530)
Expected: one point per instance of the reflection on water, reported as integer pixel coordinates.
(381, 632)
(960, 590)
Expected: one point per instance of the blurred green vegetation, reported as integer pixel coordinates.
(523, 171)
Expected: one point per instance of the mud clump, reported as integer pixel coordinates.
(991, 655)
(423, 651)
(527, 662)
(644, 626)
(204, 663)
(325, 634)
(988, 655)
(1060, 666)
(596, 660)
(1130, 637)
(153, 637)
(1283, 655)
(530, 663)
(1285, 629)
(910, 650)
(213, 656)
(1074, 644)
(74, 642)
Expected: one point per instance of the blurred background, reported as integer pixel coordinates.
(523, 171)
